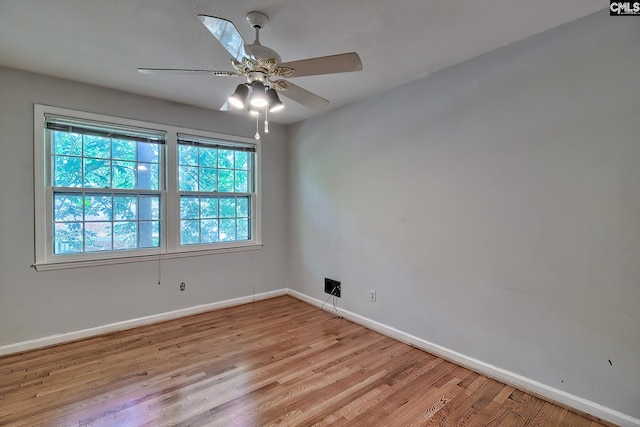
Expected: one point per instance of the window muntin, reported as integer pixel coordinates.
(217, 191)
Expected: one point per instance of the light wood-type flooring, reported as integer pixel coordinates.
(273, 362)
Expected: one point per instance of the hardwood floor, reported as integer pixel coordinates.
(278, 361)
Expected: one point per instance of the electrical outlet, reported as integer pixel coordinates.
(372, 296)
(332, 287)
(183, 286)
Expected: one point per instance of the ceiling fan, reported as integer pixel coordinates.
(264, 70)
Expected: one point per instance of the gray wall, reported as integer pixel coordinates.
(494, 207)
(38, 304)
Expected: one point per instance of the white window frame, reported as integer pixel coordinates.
(169, 198)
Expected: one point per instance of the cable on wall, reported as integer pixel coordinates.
(337, 315)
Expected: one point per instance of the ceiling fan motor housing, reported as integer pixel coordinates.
(258, 20)
(256, 76)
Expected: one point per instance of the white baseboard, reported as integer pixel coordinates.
(479, 366)
(499, 374)
(128, 324)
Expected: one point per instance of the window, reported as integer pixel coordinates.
(105, 185)
(216, 186)
(110, 189)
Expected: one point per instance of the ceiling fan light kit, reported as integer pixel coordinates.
(260, 65)
(258, 97)
(275, 104)
(238, 98)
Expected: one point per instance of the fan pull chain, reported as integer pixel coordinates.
(257, 128)
(266, 119)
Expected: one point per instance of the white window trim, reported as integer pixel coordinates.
(170, 199)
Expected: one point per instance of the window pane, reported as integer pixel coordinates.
(125, 235)
(189, 207)
(97, 236)
(208, 157)
(67, 171)
(97, 146)
(67, 207)
(208, 179)
(242, 160)
(125, 208)
(188, 178)
(243, 229)
(148, 152)
(97, 207)
(147, 176)
(67, 143)
(209, 231)
(227, 230)
(209, 207)
(225, 159)
(124, 175)
(97, 173)
(214, 170)
(189, 232)
(149, 234)
(241, 182)
(149, 207)
(187, 155)
(227, 207)
(67, 238)
(242, 205)
(123, 149)
(225, 181)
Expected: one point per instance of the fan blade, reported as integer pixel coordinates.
(342, 63)
(227, 35)
(302, 96)
(183, 71)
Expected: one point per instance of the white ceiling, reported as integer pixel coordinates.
(102, 42)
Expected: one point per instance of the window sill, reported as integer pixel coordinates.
(62, 265)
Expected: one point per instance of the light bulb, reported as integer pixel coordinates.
(258, 97)
(237, 99)
(275, 104)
